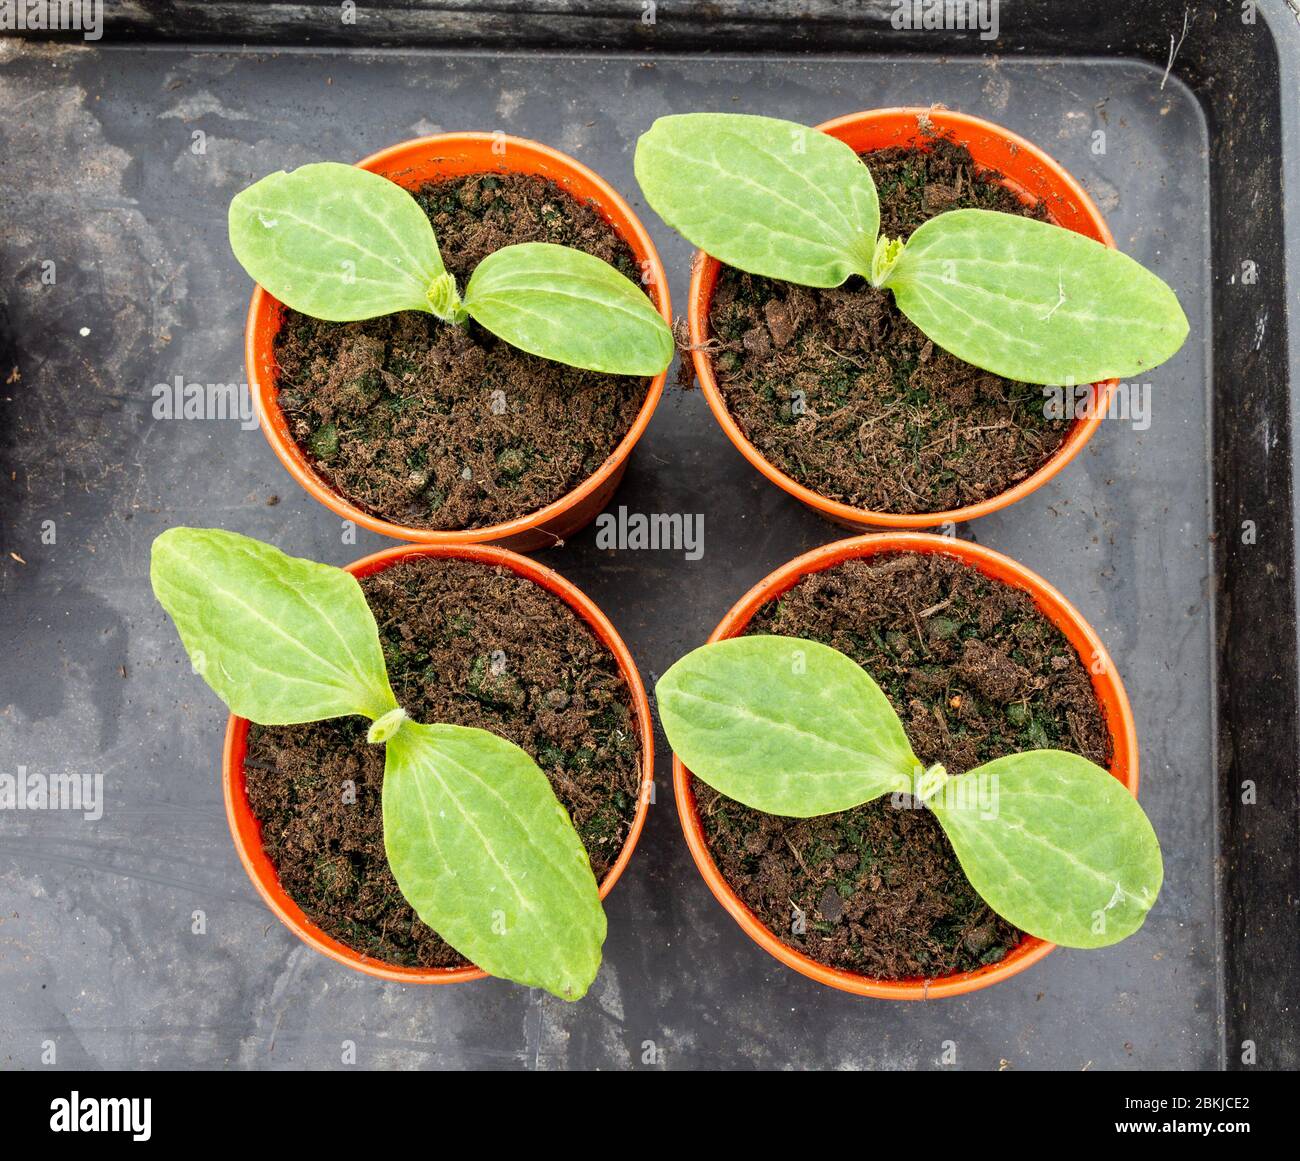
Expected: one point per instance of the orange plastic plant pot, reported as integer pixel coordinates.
(1032, 176)
(247, 831)
(1105, 683)
(411, 165)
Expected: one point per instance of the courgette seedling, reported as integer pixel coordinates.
(1023, 299)
(480, 846)
(342, 244)
(1052, 842)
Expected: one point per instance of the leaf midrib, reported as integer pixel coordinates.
(839, 250)
(212, 585)
(777, 723)
(1020, 828)
(350, 243)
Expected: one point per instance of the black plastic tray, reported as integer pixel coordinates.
(1147, 532)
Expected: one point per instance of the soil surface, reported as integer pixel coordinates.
(975, 672)
(468, 645)
(431, 425)
(842, 393)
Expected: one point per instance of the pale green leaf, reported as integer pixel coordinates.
(280, 640)
(570, 307)
(336, 242)
(487, 856)
(787, 726)
(1055, 845)
(771, 197)
(1034, 302)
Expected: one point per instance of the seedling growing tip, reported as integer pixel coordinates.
(1021, 298)
(342, 244)
(1052, 842)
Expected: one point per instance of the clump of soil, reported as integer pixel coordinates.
(467, 645)
(437, 426)
(845, 395)
(975, 672)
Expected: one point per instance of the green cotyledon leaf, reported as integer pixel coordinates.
(487, 856)
(1032, 301)
(1054, 844)
(783, 725)
(570, 307)
(339, 243)
(280, 640)
(764, 195)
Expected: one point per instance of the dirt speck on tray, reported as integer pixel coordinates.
(468, 645)
(431, 425)
(842, 393)
(976, 672)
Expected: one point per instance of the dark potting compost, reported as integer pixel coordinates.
(465, 644)
(431, 425)
(841, 392)
(975, 671)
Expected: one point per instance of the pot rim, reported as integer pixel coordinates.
(245, 829)
(590, 189)
(1106, 685)
(704, 275)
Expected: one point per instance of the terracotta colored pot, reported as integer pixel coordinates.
(1032, 176)
(411, 165)
(1105, 683)
(247, 831)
